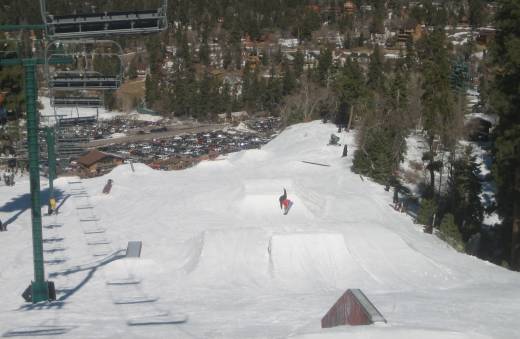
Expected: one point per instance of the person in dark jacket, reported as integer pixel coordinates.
(282, 198)
(108, 186)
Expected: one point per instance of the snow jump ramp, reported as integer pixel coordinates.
(311, 260)
(254, 257)
(230, 257)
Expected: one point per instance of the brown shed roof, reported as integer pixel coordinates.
(94, 156)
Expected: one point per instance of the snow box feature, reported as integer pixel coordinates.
(352, 308)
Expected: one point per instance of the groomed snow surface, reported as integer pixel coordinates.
(218, 250)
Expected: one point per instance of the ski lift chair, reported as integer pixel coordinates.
(104, 23)
(77, 101)
(85, 76)
(76, 80)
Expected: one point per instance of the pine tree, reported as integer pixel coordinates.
(506, 101)
(309, 23)
(324, 65)
(377, 25)
(464, 194)
(449, 231)
(427, 213)
(375, 158)
(228, 58)
(151, 90)
(477, 13)
(289, 80)
(298, 63)
(375, 74)
(351, 90)
(11, 82)
(204, 53)
(410, 55)
(437, 99)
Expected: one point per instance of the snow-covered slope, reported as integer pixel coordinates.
(217, 248)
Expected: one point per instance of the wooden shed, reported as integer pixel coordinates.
(96, 162)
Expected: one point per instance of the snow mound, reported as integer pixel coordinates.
(386, 332)
(252, 155)
(217, 164)
(230, 256)
(268, 186)
(123, 171)
(392, 262)
(312, 260)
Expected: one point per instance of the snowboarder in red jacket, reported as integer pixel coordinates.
(285, 203)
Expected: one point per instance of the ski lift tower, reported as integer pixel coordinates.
(76, 26)
(39, 289)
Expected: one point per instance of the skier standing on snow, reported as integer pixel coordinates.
(108, 186)
(285, 203)
(52, 206)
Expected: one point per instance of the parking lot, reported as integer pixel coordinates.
(184, 150)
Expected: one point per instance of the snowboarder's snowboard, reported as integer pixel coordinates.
(288, 208)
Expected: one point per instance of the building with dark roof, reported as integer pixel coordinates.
(95, 162)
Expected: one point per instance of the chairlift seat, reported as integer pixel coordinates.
(76, 121)
(73, 82)
(128, 22)
(101, 16)
(76, 102)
